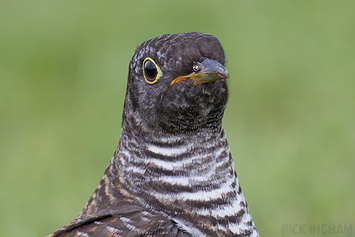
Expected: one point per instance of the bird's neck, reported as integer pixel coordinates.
(193, 173)
(188, 161)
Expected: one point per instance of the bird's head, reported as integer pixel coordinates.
(176, 83)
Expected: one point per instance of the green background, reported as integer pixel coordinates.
(290, 119)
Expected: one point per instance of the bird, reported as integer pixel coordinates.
(172, 173)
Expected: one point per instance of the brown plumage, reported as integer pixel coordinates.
(172, 173)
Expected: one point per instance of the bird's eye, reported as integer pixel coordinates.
(151, 71)
(196, 67)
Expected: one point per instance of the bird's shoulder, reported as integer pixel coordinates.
(138, 223)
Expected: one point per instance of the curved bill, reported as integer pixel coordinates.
(205, 72)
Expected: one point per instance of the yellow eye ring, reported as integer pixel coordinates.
(151, 71)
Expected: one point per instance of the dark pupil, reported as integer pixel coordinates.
(150, 70)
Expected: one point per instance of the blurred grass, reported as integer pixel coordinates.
(289, 121)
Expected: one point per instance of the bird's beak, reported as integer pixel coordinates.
(205, 72)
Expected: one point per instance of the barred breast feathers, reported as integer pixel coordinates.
(197, 175)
